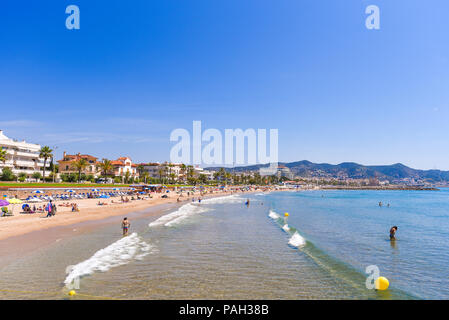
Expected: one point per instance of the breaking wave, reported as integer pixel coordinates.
(119, 253)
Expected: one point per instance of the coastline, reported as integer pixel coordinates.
(22, 224)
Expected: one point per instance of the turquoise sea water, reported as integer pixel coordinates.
(350, 227)
(222, 249)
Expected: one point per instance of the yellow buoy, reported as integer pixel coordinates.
(72, 292)
(382, 283)
(286, 214)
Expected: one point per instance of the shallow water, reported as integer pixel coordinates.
(222, 249)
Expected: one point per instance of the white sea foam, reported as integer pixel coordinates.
(273, 215)
(179, 215)
(296, 240)
(286, 228)
(224, 199)
(119, 253)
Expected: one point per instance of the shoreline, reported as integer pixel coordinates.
(22, 224)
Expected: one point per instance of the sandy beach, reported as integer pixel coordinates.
(89, 210)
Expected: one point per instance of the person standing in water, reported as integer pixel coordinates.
(393, 232)
(247, 202)
(125, 226)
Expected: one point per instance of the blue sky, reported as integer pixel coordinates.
(136, 70)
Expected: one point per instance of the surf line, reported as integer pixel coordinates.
(296, 240)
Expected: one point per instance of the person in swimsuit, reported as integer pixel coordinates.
(393, 232)
(125, 226)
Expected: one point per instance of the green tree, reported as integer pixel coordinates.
(105, 167)
(183, 171)
(79, 165)
(161, 173)
(202, 178)
(37, 176)
(127, 176)
(45, 153)
(22, 176)
(145, 175)
(7, 175)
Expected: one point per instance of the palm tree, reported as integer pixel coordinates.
(127, 176)
(145, 176)
(106, 167)
(161, 173)
(80, 165)
(172, 177)
(183, 171)
(45, 153)
(3, 154)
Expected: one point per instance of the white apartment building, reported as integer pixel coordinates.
(152, 169)
(21, 156)
(207, 173)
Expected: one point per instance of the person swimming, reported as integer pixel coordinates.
(125, 226)
(393, 232)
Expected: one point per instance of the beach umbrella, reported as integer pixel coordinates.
(14, 201)
(4, 203)
(116, 189)
(95, 190)
(38, 191)
(34, 200)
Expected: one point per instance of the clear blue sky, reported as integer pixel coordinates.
(136, 70)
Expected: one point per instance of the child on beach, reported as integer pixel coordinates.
(125, 226)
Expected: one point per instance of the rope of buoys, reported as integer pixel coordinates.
(71, 293)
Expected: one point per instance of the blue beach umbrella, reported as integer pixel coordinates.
(38, 191)
(69, 191)
(95, 190)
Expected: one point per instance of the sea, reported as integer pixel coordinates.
(222, 248)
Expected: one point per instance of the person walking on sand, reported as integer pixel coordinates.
(49, 209)
(393, 232)
(125, 226)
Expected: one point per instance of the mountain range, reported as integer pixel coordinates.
(393, 173)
